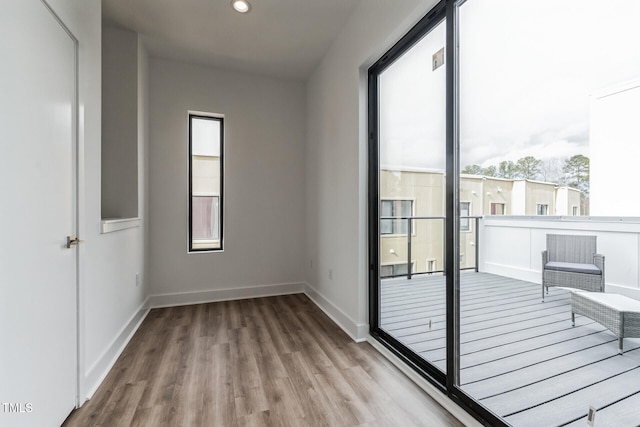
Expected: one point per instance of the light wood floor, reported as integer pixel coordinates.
(269, 361)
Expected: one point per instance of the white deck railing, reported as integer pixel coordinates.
(511, 246)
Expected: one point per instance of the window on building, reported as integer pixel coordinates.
(393, 270)
(574, 211)
(395, 208)
(497, 208)
(542, 209)
(205, 217)
(464, 216)
(206, 134)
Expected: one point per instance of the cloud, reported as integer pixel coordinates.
(527, 69)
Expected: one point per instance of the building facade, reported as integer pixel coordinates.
(412, 203)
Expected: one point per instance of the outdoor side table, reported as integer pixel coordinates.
(618, 313)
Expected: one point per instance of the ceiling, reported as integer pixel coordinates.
(283, 38)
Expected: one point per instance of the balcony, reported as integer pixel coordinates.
(519, 357)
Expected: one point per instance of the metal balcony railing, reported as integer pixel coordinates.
(409, 233)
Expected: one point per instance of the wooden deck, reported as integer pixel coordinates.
(521, 358)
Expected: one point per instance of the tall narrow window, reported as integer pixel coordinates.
(464, 216)
(206, 137)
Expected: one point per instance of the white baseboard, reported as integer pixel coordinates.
(99, 370)
(536, 277)
(516, 273)
(463, 416)
(623, 290)
(202, 297)
(357, 331)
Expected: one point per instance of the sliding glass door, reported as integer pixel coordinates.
(493, 125)
(549, 98)
(411, 176)
(407, 173)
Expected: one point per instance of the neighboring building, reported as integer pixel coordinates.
(417, 193)
(206, 200)
(420, 194)
(568, 202)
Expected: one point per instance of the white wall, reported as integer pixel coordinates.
(264, 184)
(336, 160)
(110, 304)
(614, 150)
(143, 159)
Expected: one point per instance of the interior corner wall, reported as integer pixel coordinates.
(336, 158)
(110, 303)
(263, 187)
(143, 159)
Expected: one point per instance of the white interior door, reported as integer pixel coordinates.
(38, 278)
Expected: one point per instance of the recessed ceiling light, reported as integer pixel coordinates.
(242, 6)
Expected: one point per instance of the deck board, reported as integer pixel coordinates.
(576, 404)
(538, 393)
(624, 413)
(472, 343)
(520, 357)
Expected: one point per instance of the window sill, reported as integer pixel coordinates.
(117, 224)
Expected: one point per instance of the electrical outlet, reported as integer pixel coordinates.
(137, 279)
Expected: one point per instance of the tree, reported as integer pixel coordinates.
(551, 171)
(490, 171)
(507, 169)
(472, 170)
(528, 167)
(576, 169)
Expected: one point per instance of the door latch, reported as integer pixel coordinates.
(73, 241)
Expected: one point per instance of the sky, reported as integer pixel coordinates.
(205, 137)
(527, 69)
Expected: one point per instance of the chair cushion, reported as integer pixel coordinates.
(573, 267)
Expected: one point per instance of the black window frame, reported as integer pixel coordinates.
(445, 382)
(219, 118)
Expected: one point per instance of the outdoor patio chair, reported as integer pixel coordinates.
(571, 261)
